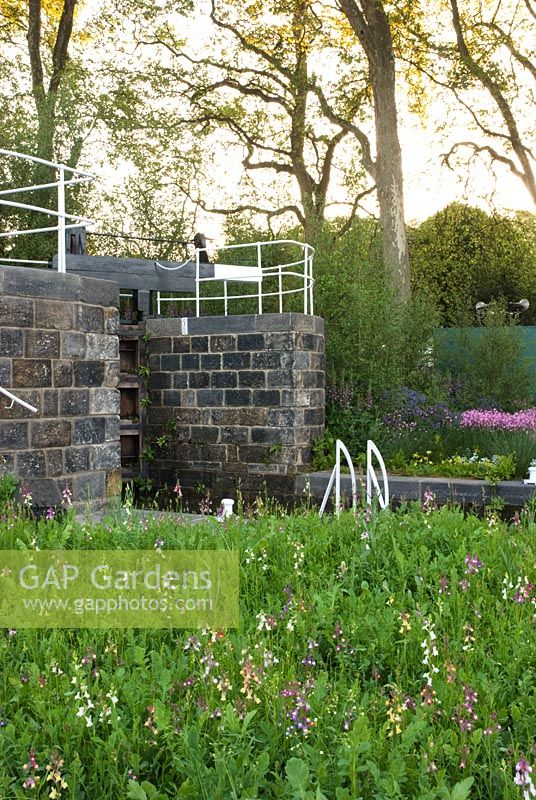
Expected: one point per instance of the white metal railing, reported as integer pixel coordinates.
(65, 220)
(340, 447)
(372, 481)
(15, 399)
(255, 272)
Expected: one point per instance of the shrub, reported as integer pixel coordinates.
(372, 340)
(462, 255)
(488, 363)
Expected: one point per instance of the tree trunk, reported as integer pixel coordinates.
(370, 24)
(389, 180)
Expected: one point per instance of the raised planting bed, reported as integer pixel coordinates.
(464, 491)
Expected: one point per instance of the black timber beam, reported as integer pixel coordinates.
(140, 274)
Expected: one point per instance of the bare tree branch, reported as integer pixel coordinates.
(519, 148)
(273, 165)
(506, 39)
(246, 89)
(209, 62)
(325, 175)
(247, 45)
(270, 213)
(353, 211)
(530, 7)
(479, 148)
(348, 126)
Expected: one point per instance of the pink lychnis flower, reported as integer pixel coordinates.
(499, 420)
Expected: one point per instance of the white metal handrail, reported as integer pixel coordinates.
(372, 481)
(340, 447)
(65, 220)
(15, 399)
(255, 272)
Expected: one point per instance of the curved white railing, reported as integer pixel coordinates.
(67, 176)
(256, 272)
(372, 482)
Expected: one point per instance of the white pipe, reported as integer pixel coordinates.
(336, 476)
(383, 497)
(15, 399)
(5, 234)
(36, 160)
(196, 282)
(61, 222)
(38, 186)
(259, 265)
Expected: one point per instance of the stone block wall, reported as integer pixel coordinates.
(59, 351)
(235, 401)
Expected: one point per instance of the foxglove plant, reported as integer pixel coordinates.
(523, 778)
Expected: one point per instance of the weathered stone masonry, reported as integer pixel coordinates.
(59, 351)
(235, 401)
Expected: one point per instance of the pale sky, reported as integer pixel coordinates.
(428, 185)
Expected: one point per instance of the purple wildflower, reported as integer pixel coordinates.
(472, 564)
(288, 605)
(309, 660)
(523, 778)
(298, 711)
(428, 503)
(465, 715)
(338, 638)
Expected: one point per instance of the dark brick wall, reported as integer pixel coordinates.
(235, 400)
(59, 351)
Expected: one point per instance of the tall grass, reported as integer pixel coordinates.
(388, 658)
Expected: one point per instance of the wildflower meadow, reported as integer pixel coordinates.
(381, 655)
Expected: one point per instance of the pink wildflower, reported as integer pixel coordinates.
(523, 778)
(499, 420)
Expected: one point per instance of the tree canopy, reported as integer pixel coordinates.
(308, 94)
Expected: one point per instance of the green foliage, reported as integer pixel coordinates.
(8, 489)
(494, 469)
(489, 362)
(321, 692)
(462, 255)
(370, 337)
